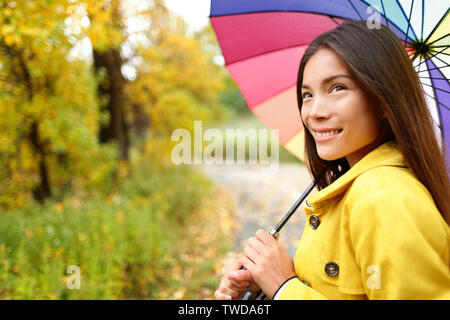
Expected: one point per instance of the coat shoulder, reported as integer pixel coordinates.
(393, 197)
(392, 222)
(389, 183)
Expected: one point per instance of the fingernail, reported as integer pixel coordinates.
(234, 274)
(228, 297)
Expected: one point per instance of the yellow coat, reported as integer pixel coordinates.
(375, 233)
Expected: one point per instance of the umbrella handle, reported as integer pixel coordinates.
(274, 232)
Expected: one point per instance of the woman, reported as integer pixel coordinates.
(379, 226)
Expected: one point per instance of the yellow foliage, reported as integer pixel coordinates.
(177, 83)
(40, 86)
(43, 87)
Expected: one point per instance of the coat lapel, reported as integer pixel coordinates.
(386, 154)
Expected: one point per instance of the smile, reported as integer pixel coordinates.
(326, 135)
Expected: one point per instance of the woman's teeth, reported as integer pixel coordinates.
(327, 133)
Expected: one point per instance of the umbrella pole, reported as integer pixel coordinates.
(248, 294)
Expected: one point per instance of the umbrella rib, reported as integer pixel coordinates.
(447, 54)
(429, 85)
(277, 11)
(332, 18)
(433, 69)
(439, 102)
(446, 64)
(436, 26)
(392, 23)
(437, 109)
(357, 12)
(434, 88)
(409, 19)
(428, 58)
(438, 39)
(423, 18)
(438, 112)
(385, 15)
(421, 33)
(432, 77)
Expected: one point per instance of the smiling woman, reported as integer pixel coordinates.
(381, 99)
(379, 225)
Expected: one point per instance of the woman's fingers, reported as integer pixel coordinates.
(230, 289)
(265, 238)
(241, 275)
(251, 253)
(246, 277)
(234, 281)
(221, 296)
(230, 266)
(256, 244)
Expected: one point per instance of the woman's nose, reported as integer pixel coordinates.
(319, 109)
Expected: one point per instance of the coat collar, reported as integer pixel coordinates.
(387, 154)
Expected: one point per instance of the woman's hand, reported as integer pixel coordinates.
(234, 282)
(268, 262)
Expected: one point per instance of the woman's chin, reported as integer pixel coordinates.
(329, 156)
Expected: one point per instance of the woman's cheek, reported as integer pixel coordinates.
(304, 115)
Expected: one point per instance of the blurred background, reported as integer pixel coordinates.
(90, 93)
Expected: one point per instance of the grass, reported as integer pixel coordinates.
(159, 236)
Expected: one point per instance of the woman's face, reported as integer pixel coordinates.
(336, 111)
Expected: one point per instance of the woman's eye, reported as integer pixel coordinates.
(338, 87)
(306, 95)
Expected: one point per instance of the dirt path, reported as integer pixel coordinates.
(262, 199)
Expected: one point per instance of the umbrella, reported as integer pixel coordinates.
(263, 41)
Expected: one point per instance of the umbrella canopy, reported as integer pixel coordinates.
(263, 41)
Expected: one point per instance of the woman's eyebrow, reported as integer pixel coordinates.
(329, 79)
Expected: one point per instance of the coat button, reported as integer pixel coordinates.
(332, 269)
(314, 222)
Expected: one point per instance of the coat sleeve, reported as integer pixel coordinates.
(401, 244)
(294, 289)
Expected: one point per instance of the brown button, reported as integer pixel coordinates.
(332, 269)
(314, 222)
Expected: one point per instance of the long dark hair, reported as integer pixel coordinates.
(379, 63)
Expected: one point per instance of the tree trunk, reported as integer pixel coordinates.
(43, 190)
(113, 88)
(140, 123)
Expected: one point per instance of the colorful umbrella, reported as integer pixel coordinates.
(263, 41)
